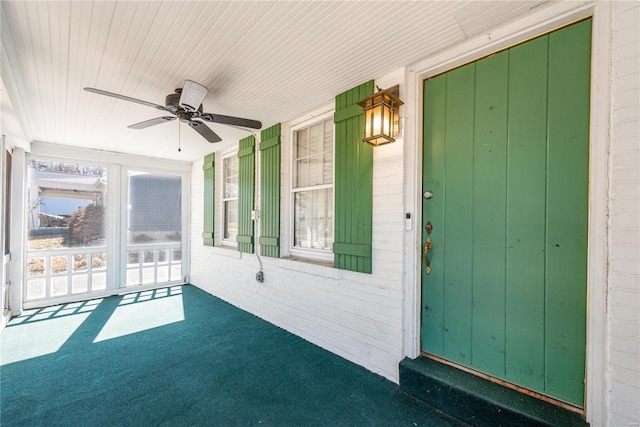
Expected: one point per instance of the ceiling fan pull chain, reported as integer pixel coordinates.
(179, 140)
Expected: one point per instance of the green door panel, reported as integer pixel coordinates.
(526, 207)
(506, 144)
(567, 203)
(458, 215)
(432, 324)
(488, 210)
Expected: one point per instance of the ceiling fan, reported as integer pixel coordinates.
(186, 105)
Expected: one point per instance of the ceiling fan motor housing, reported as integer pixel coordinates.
(184, 117)
(172, 101)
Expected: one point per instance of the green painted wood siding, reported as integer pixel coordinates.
(270, 191)
(353, 183)
(209, 196)
(506, 155)
(246, 193)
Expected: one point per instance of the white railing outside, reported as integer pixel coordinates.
(54, 273)
(62, 272)
(156, 263)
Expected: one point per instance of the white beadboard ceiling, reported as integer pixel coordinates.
(264, 60)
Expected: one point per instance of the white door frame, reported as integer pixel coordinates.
(18, 229)
(539, 21)
(122, 231)
(5, 270)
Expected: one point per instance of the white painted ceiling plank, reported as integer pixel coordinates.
(126, 49)
(25, 65)
(98, 29)
(44, 69)
(12, 82)
(60, 57)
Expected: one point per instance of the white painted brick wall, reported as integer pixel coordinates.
(357, 316)
(624, 231)
(360, 316)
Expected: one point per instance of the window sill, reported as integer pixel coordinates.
(309, 266)
(228, 251)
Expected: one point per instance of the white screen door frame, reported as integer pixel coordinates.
(118, 166)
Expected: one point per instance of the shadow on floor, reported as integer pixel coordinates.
(179, 356)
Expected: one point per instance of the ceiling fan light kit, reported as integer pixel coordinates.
(186, 105)
(192, 95)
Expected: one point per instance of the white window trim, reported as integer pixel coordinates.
(223, 241)
(313, 254)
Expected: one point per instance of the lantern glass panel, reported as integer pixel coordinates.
(377, 120)
(386, 120)
(368, 125)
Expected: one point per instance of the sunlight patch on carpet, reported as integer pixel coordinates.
(28, 339)
(142, 314)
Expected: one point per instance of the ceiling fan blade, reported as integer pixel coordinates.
(192, 95)
(151, 122)
(125, 98)
(204, 130)
(230, 120)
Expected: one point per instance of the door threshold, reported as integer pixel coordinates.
(477, 401)
(507, 384)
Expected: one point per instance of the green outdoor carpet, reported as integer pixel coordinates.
(180, 356)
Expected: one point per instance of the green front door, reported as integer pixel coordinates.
(506, 147)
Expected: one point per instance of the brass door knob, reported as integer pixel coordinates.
(427, 247)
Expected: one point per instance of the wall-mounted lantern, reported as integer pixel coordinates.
(381, 116)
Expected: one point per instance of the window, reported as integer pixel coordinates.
(230, 198)
(66, 205)
(312, 189)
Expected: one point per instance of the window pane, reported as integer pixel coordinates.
(313, 158)
(66, 205)
(324, 226)
(302, 173)
(302, 143)
(230, 177)
(302, 205)
(155, 209)
(315, 170)
(316, 139)
(328, 154)
(313, 222)
(231, 220)
(230, 194)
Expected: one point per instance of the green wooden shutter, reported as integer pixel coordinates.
(209, 185)
(270, 191)
(246, 193)
(353, 183)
